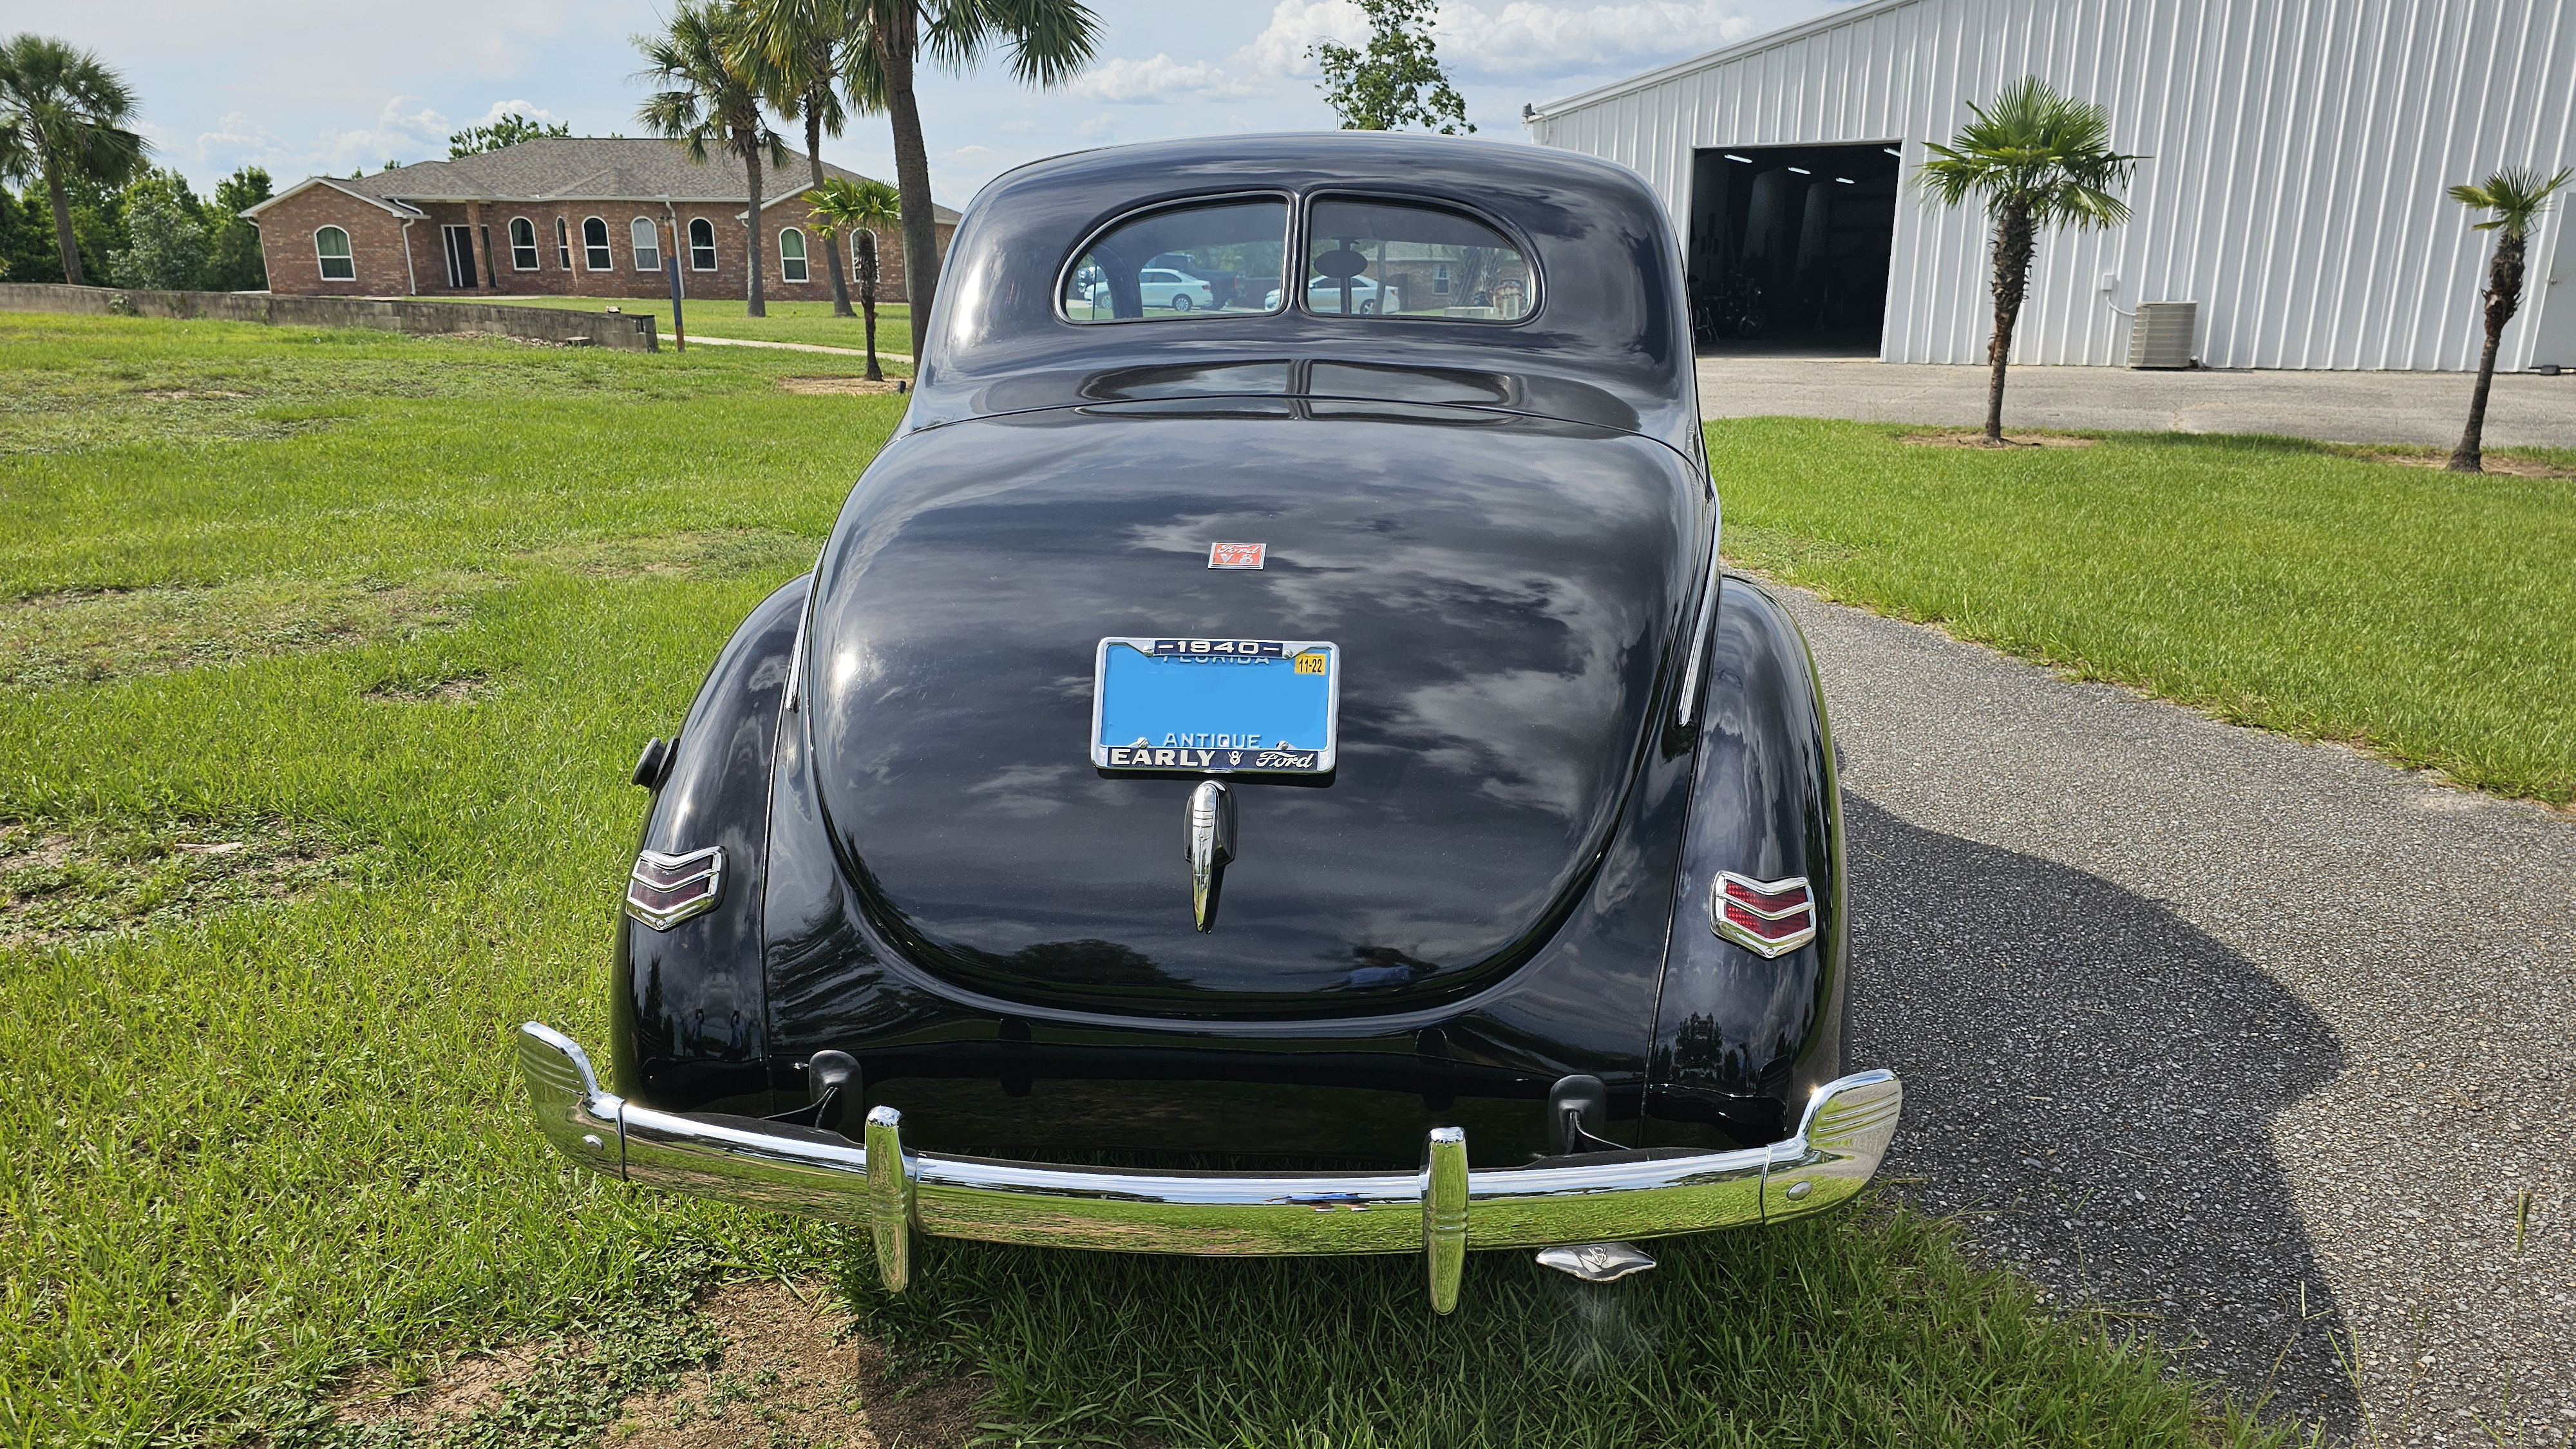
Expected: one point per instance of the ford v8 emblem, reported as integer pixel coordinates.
(1236, 555)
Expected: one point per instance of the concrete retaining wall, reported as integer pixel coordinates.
(598, 329)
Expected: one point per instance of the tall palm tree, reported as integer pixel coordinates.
(859, 208)
(799, 53)
(1050, 41)
(2037, 159)
(710, 103)
(2517, 196)
(64, 115)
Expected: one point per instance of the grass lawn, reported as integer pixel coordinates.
(323, 660)
(786, 322)
(2293, 585)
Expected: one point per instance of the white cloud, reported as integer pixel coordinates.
(1280, 49)
(1157, 80)
(1520, 39)
(397, 135)
(529, 109)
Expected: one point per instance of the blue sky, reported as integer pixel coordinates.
(306, 86)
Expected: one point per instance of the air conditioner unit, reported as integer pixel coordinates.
(2160, 334)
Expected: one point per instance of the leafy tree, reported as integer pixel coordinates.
(800, 53)
(708, 101)
(1049, 41)
(27, 239)
(2517, 196)
(165, 234)
(509, 129)
(859, 208)
(1396, 82)
(68, 118)
(2037, 159)
(233, 262)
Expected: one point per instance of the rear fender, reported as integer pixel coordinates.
(690, 1010)
(1741, 1040)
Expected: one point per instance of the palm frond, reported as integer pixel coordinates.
(2518, 195)
(2033, 148)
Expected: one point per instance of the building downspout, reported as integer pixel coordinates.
(411, 279)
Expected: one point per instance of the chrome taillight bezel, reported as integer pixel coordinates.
(1769, 918)
(663, 890)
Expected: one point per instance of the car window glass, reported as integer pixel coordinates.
(1396, 259)
(1182, 261)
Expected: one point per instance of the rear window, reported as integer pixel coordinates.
(1185, 261)
(1372, 258)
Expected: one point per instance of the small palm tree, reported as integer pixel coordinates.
(859, 208)
(709, 103)
(2038, 159)
(2517, 196)
(1050, 41)
(799, 53)
(64, 116)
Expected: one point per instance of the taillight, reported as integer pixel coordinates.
(1768, 917)
(665, 890)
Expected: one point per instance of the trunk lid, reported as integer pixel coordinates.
(1508, 594)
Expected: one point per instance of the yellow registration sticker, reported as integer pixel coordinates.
(1312, 662)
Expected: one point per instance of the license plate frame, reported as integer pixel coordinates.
(1215, 706)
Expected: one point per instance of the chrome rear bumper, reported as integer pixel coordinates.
(1441, 1211)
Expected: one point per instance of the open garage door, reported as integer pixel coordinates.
(1789, 246)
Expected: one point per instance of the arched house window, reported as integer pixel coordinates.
(702, 244)
(791, 256)
(563, 244)
(523, 244)
(594, 245)
(331, 246)
(647, 242)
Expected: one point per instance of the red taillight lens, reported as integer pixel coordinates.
(665, 890)
(1768, 917)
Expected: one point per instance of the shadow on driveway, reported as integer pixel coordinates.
(2091, 1083)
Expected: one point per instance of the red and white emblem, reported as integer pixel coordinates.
(1769, 917)
(1236, 555)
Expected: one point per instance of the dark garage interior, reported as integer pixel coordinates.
(1789, 245)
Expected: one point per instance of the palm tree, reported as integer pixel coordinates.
(64, 115)
(2517, 196)
(1049, 40)
(2038, 159)
(859, 208)
(708, 102)
(799, 53)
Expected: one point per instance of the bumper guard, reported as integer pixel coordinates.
(1440, 1212)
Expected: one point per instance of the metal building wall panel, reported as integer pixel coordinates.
(2300, 153)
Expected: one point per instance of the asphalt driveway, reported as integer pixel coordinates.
(2269, 1047)
(2525, 410)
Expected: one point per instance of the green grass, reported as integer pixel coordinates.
(2428, 616)
(794, 321)
(256, 1134)
(1865, 1328)
(390, 616)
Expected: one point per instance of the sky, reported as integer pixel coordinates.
(302, 87)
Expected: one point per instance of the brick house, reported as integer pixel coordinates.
(558, 216)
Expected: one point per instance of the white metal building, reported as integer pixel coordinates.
(2301, 151)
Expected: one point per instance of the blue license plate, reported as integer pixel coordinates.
(1216, 705)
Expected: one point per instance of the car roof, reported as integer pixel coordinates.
(1609, 341)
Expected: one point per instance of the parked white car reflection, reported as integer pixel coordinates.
(1179, 291)
(1323, 294)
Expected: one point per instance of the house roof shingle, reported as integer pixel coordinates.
(587, 168)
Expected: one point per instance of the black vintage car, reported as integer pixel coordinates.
(1285, 777)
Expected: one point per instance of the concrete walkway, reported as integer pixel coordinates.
(2264, 1046)
(882, 354)
(2525, 410)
